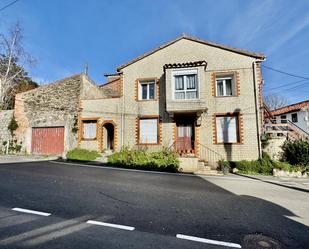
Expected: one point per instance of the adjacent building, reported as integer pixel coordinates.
(296, 114)
(48, 116)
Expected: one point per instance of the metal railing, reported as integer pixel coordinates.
(287, 128)
(210, 156)
(183, 148)
(205, 154)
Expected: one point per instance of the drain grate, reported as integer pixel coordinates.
(259, 241)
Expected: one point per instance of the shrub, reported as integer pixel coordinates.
(224, 166)
(296, 152)
(164, 160)
(13, 125)
(12, 147)
(263, 165)
(283, 166)
(82, 155)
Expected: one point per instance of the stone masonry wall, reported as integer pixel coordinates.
(5, 119)
(51, 105)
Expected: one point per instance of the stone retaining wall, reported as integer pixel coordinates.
(5, 119)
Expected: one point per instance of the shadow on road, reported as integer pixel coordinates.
(156, 204)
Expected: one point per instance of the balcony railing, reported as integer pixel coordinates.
(287, 128)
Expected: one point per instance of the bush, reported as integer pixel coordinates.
(263, 165)
(283, 166)
(164, 160)
(12, 147)
(13, 125)
(82, 155)
(296, 152)
(224, 166)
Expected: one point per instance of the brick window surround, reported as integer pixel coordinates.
(81, 128)
(240, 129)
(137, 82)
(159, 129)
(236, 78)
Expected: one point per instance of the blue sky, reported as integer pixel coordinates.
(63, 35)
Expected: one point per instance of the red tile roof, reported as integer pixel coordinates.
(291, 108)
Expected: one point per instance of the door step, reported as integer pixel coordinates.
(211, 172)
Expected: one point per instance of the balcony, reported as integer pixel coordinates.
(183, 105)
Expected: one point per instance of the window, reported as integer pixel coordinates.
(227, 129)
(294, 118)
(89, 129)
(225, 86)
(283, 119)
(147, 90)
(148, 131)
(185, 84)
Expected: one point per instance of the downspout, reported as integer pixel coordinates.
(257, 110)
(123, 111)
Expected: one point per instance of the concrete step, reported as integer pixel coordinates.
(209, 172)
(204, 167)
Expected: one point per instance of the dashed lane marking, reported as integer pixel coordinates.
(208, 241)
(99, 223)
(28, 211)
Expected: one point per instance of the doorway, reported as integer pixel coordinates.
(108, 136)
(185, 135)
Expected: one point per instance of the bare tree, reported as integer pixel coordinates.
(275, 101)
(13, 58)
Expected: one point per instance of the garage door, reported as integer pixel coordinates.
(47, 140)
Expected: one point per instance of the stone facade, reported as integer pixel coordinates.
(126, 109)
(5, 134)
(53, 105)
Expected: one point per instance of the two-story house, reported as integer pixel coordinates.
(199, 98)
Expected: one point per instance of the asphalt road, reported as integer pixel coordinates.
(157, 206)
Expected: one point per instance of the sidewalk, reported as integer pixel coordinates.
(291, 182)
(24, 158)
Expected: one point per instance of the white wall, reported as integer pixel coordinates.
(303, 119)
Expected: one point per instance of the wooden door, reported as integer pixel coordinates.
(48, 140)
(185, 137)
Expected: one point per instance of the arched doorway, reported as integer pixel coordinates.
(108, 136)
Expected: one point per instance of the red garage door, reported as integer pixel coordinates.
(48, 140)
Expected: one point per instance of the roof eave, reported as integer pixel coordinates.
(260, 56)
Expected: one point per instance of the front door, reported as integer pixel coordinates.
(185, 136)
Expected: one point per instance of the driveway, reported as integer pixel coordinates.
(23, 158)
(93, 207)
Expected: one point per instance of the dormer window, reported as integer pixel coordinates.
(185, 84)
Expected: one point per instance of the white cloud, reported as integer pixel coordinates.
(289, 34)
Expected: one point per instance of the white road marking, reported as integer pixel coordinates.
(99, 223)
(208, 241)
(28, 211)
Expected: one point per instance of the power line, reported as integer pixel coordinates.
(283, 88)
(8, 5)
(291, 88)
(287, 84)
(286, 73)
